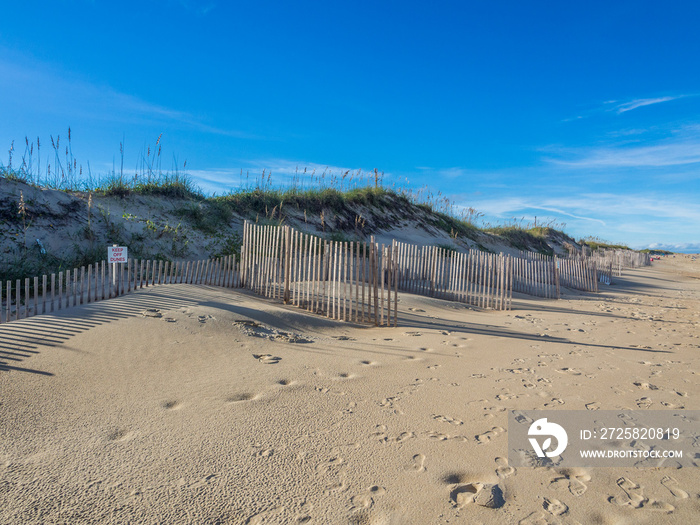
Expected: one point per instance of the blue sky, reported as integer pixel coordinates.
(586, 114)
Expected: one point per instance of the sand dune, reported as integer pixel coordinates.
(190, 404)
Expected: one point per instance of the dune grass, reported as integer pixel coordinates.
(326, 197)
(596, 243)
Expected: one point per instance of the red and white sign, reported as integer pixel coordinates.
(117, 254)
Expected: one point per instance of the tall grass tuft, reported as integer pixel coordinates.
(62, 171)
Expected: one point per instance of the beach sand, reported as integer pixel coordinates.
(193, 404)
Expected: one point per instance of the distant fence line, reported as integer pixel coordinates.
(615, 261)
(97, 282)
(351, 280)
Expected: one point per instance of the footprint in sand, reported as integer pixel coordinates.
(242, 396)
(390, 403)
(152, 312)
(489, 435)
(304, 513)
(263, 453)
(331, 464)
(366, 499)
(573, 480)
(593, 406)
(505, 397)
(503, 470)
(570, 371)
(555, 401)
(645, 386)
(267, 359)
(672, 485)
(403, 437)
(555, 507)
(121, 434)
(338, 486)
(631, 496)
(519, 370)
(672, 405)
(464, 494)
(446, 419)
(644, 403)
(418, 464)
(484, 494)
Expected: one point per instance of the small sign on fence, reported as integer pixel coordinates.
(117, 254)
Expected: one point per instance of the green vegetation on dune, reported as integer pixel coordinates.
(259, 201)
(595, 243)
(347, 205)
(656, 252)
(526, 239)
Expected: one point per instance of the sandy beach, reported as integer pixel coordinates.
(195, 404)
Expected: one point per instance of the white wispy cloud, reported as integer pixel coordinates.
(641, 102)
(618, 107)
(687, 152)
(445, 173)
(280, 172)
(509, 207)
(633, 219)
(683, 247)
(606, 209)
(46, 90)
(682, 147)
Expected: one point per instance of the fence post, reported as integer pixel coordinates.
(287, 261)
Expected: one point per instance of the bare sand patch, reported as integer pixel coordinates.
(110, 413)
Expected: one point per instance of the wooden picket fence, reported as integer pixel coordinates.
(578, 273)
(615, 261)
(536, 274)
(544, 275)
(100, 281)
(473, 277)
(350, 281)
